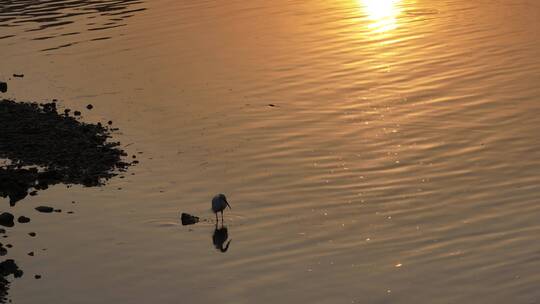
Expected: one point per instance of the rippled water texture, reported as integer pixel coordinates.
(372, 151)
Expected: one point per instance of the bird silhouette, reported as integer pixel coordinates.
(220, 237)
(219, 203)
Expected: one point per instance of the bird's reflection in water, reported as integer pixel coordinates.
(221, 235)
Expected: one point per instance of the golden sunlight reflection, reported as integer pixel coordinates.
(382, 13)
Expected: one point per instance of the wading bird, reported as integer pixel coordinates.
(219, 203)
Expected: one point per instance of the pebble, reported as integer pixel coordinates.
(31, 253)
(77, 113)
(89, 107)
(3, 87)
(18, 75)
(45, 209)
(32, 234)
(37, 276)
(23, 219)
(6, 219)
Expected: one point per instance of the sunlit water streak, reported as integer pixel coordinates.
(402, 133)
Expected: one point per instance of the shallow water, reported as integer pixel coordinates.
(398, 164)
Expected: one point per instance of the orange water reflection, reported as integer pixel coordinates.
(383, 14)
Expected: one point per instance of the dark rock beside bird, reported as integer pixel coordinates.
(188, 219)
(3, 87)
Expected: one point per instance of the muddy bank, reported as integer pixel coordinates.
(44, 147)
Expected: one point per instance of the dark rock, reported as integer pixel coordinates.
(58, 210)
(6, 219)
(3, 87)
(31, 253)
(9, 246)
(77, 113)
(45, 209)
(9, 267)
(188, 219)
(109, 122)
(46, 148)
(89, 107)
(18, 75)
(271, 105)
(23, 219)
(32, 234)
(3, 251)
(37, 277)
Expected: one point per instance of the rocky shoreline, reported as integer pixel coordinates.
(41, 146)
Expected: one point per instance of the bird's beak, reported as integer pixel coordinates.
(228, 204)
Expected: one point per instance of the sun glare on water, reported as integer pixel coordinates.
(382, 14)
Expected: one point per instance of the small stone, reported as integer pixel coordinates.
(77, 113)
(18, 75)
(32, 234)
(6, 219)
(271, 105)
(70, 212)
(31, 253)
(9, 246)
(45, 209)
(89, 107)
(58, 210)
(37, 277)
(23, 219)
(188, 219)
(3, 87)
(109, 122)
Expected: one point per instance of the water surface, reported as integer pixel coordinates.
(372, 151)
